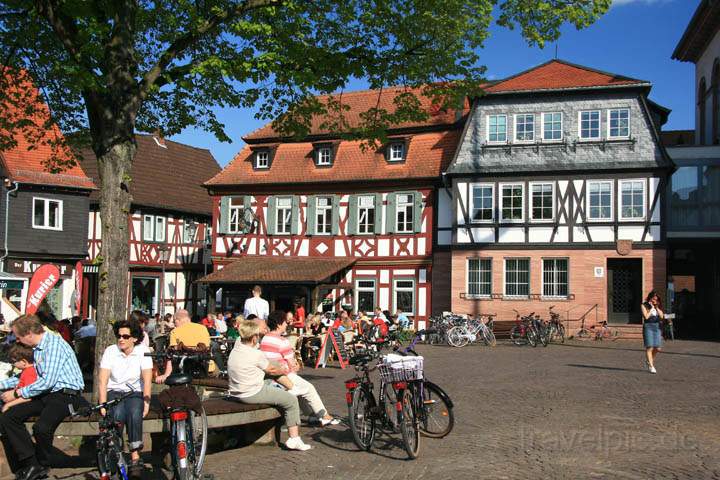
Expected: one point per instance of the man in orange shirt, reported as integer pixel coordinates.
(191, 335)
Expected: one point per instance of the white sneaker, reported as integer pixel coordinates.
(298, 390)
(325, 422)
(296, 443)
(652, 370)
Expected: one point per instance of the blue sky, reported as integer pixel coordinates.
(635, 38)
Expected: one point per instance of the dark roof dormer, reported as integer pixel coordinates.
(262, 156)
(324, 154)
(396, 149)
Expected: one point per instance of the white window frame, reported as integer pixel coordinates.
(154, 237)
(542, 126)
(265, 164)
(410, 204)
(186, 237)
(500, 202)
(360, 210)
(472, 202)
(159, 219)
(236, 213)
(530, 202)
(320, 154)
(599, 129)
(618, 137)
(467, 277)
(278, 209)
(145, 236)
(359, 289)
(620, 200)
(413, 289)
(515, 129)
(326, 210)
(487, 129)
(612, 201)
(554, 283)
(46, 214)
(505, 284)
(391, 152)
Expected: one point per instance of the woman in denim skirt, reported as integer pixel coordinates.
(652, 315)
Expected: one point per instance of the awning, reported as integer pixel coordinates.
(256, 269)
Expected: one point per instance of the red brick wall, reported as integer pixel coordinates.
(441, 282)
(587, 289)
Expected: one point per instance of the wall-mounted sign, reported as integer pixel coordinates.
(599, 272)
(11, 284)
(28, 266)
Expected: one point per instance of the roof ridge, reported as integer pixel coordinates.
(144, 134)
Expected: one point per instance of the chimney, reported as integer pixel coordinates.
(159, 140)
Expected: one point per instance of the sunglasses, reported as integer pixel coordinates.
(124, 336)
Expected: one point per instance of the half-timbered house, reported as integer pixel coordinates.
(329, 223)
(556, 197)
(169, 228)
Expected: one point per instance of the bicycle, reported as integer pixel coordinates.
(188, 421)
(605, 333)
(472, 331)
(556, 330)
(524, 332)
(111, 461)
(542, 330)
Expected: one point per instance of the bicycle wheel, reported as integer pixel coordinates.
(515, 336)
(409, 427)
(561, 333)
(436, 414)
(489, 337)
(190, 445)
(457, 337)
(360, 414)
(543, 336)
(110, 460)
(532, 337)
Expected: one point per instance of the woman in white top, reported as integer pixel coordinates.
(125, 367)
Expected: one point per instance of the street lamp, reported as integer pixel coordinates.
(164, 257)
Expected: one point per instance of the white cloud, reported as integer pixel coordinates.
(617, 3)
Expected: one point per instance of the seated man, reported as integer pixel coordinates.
(190, 335)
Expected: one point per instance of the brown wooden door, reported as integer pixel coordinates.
(624, 290)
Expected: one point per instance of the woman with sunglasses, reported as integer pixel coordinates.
(125, 367)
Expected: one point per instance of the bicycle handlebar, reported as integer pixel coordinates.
(86, 411)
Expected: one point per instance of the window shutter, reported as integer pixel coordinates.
(417, 211)
(310, 212)
(270, 219)
(295, 215)
(335, 214)
(224, 220)
(390, 214)
(352, 216)
(378, 213)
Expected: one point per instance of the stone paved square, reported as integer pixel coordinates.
(580, 410)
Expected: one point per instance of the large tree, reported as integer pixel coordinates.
(111, 67)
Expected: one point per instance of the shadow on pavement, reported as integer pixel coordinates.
(576, 365)
(664, 352)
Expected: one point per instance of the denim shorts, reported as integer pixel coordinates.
(652, 338)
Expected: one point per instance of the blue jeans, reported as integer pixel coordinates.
(129, 412)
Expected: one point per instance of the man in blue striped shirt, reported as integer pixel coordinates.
(59, 384)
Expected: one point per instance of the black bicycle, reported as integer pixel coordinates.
(109, 445)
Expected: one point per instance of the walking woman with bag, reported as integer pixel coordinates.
(652, 316)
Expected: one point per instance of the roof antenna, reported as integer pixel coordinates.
(556, 50)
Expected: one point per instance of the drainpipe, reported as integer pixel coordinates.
(7, 212)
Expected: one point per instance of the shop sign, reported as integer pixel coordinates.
(11, 284)
(28, 266)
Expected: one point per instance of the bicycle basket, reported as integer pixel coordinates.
(401, 369)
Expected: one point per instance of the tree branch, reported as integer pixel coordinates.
(66, 31)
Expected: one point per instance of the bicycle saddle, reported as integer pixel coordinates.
(178, 379)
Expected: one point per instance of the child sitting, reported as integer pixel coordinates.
(23, 360)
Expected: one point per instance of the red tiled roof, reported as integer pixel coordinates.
(428, 155)
(169, 178)
(560, 75)
(25, 163)
(261, 269)
(355, 103)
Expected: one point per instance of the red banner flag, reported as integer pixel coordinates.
(42, 281)
(78, 288)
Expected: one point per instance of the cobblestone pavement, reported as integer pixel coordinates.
(580, 410)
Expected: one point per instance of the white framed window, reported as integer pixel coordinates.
(552, 126)
(525, 127)
(589, 122)
(482, 208)
(190, 231)
(511, 202)
(237, 212)
(323, 215)
(366, 214)
(324, 156)
(517, 277)
(365, 299)
(555, 277)
(283, 215)
(397, 152)
(497, 128)
(154, 228)
(479, 277)
(404, 213)
(632, 199)
(47, 214)
(619, 123)
(600, 200)
(262, 159)
(542, 201)
(404, 295)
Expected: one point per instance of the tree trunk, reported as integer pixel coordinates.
(114, 170)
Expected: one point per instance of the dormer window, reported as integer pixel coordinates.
(324, 156)
(262, 159)
(397, 152)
